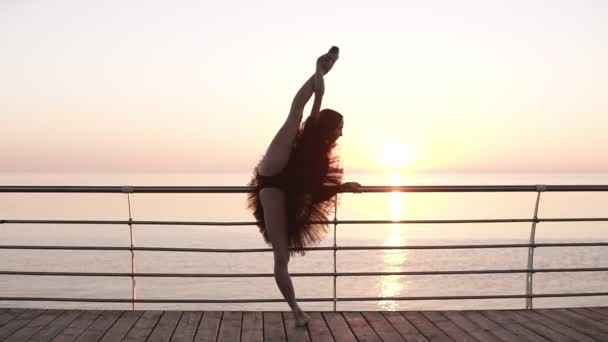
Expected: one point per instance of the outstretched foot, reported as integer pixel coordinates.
(301, 318)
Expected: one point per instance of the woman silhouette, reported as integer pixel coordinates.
(296, 179)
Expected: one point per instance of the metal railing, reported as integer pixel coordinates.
(529, 270)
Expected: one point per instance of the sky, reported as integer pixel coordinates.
(202, 86)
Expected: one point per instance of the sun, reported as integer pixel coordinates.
(397, 155)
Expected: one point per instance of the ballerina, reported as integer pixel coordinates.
(297, 178)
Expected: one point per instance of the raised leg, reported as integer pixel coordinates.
(277, 154)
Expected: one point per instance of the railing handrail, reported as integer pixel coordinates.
(250, 223)
(245, 189)
(281, 300)
(323, 248)
(129, 189)
(300, 274)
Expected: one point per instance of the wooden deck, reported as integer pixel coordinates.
(573, 324)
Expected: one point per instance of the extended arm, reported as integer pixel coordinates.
(327, 192)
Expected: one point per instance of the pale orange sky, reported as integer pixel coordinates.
(188, 86)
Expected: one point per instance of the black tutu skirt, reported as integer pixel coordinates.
(308, 202)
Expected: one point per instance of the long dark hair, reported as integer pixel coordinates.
(312, 160)
(311, 172)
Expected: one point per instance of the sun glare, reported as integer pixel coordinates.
(397, 156)
(394, 179)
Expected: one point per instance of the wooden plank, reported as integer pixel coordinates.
(143, 326)
(317, 328)
(8, 314)
(538, 328)
(381, 326)
(359, 326)
(55, 327)
(575, 321)
(32, 327)
(600, 310)
(572, 324)
(74, 329)
(404, 327)
(294, 334)
(448, 327)
(555, 325)
(522, 332)
(273, 326)
(425, 326)
(99, 327)
(165, 327)
(469, 326)
(598, 325)
(591, 314)
(186, 328)
(209, 326)
(5, 316)
(17, 322)
(490, 326)
(253, 327)
(230, 327)
(338, 327)
(121, 327)
(13, 310)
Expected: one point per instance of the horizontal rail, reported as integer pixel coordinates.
(128, 189)
(301, 274)
(251, 223)
(328, 248)
(245, 189)
(281, 300)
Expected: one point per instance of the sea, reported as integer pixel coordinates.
(390, 206)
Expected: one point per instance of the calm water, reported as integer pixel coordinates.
(231, 207)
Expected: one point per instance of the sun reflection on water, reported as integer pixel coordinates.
(394, 285)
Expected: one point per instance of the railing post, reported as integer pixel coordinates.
(335, 246)
(530, 273)
(128, 190)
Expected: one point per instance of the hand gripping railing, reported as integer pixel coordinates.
(529, 270)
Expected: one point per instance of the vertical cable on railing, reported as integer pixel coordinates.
(530, 274)
(129, 190)
(335, 246)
